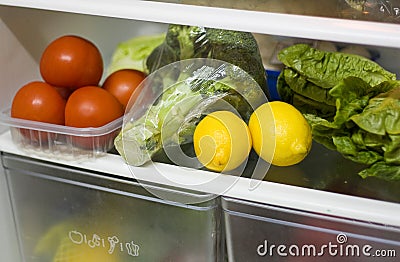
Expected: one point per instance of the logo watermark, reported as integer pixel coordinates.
(339, 248)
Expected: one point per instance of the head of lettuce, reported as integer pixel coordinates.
(351, 103)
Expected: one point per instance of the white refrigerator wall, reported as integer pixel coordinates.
(17, 66)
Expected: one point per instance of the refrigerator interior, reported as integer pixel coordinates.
(321, 180)
(27, 31)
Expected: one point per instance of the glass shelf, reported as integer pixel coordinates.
(306, 24)
(367, 10)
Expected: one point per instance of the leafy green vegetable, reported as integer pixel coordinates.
(351, 103)
(132, 54)
(326, 69)
(310, 74)
(382, 170)
(184, 42)
(365, 128)
(141, 139)
(374, 121)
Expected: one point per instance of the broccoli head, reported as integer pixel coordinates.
(235, 47)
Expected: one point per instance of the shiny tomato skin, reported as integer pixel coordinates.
(38, 101)
(71, 61)
(92, 106)
(123, 83)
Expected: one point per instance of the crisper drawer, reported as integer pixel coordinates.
(65, 214)
(259, 232)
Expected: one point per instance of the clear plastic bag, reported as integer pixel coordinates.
(235, 47)
(172, 101)
(373, 10)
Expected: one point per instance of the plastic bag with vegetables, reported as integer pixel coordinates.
(195, 70)
(374, 10)
(174, 99)
(235, 47)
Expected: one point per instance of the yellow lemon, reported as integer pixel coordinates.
(71, 252)
(222, 141)
(280, 133)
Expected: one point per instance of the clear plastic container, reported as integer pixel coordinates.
(261, 232)
(65, 214)
(61, 142)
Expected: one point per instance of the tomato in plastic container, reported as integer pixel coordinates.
(123, 83)
(91, 107)
(38, 101)
(71, 61)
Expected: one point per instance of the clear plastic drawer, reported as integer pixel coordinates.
(64, 214)
(259, 232)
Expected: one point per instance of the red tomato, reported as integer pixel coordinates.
(71, 61)
(123, 83)
(38, 101)
(91, 106)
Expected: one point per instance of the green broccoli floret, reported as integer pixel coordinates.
(240, 49)
(235, 47)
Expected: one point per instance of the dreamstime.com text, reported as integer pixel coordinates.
(339, 248)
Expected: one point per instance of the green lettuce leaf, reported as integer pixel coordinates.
(132, 54)
(382, 170)
(366, 126)
(382, 115)
(326, 69)
(299, 84)
(346, 146)
(351, 96)
(392, 150)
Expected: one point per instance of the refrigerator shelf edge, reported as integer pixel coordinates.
(309, 200)
(330, 29)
